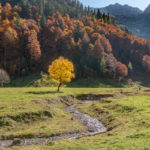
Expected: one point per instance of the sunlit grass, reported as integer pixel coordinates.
(126, 118)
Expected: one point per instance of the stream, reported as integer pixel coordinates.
(92, 127)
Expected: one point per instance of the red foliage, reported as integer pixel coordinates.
(98, 49)
(146, 62)
(13, 37)
(121, 70)
(66, 46)
(49, 38)
(94, 40)
(106, 44)
(34, 50)
(34, 14)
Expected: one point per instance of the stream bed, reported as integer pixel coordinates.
(92, 127)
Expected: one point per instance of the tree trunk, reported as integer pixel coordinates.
(59, 87)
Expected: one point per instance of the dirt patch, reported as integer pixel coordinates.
(93, 97)
(146, 90)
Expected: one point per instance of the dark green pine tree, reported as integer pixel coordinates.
(98, 15)
(74, 8)
(104, 17)
(26, 8)
(43, 21)
(108, 18)
(61, 25)
(41, 7)
(77, 32)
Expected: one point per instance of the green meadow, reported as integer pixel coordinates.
(40, 112)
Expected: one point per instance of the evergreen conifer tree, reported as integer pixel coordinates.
(99, 15)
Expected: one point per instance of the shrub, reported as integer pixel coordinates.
(4, 77)
(45, 81)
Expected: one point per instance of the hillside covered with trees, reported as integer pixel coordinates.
(30, 41)
(137, 21)
(41, 9)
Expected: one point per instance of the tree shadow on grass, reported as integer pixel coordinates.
(43, 92)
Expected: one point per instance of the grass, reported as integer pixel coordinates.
(36, 112)
(30, 112)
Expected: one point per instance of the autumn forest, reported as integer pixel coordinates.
(72, 77)
(33, 34)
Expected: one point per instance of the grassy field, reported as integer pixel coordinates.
(37, 112)
(31, 112)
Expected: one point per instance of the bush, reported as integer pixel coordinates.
(44, 81)
(4, 77)
(103, 83)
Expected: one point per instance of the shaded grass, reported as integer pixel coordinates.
(43, 80)
(24, 81)
(103, 83)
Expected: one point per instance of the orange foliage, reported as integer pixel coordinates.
(11, 36)
(121, 70)
(95, 36)
(84, 41)
(106, 44)
(34, 50)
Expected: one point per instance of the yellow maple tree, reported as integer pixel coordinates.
(61, 70)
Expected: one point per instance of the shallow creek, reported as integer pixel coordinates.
(92, 127)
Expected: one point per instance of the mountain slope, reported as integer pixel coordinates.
(147, 10)
(96, 48)
(137, 22)
(118, 9)
(48, 7)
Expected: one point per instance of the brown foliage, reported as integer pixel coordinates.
(146, 62)
(106, 44)
(13, 40)
(84, 41)
(34, 50)
(98, 49)
(121, 70)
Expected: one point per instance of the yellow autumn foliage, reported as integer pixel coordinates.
(89, 30)
(61, 70)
